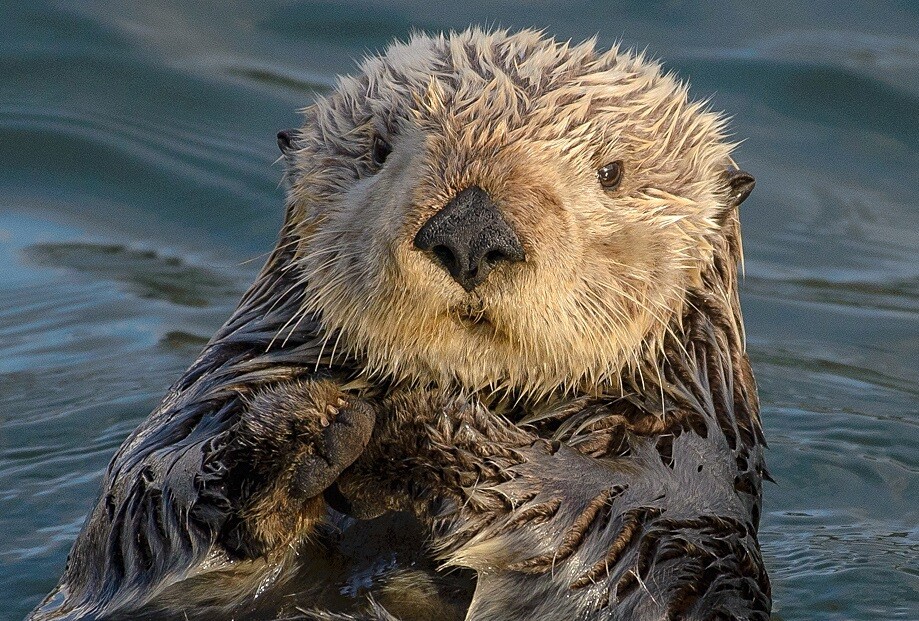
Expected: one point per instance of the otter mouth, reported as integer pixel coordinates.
(472, 312)
(475, 321)
(473, 316)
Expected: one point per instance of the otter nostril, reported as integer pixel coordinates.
(494, 256)
(445, 256)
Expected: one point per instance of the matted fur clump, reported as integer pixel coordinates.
(502, 309)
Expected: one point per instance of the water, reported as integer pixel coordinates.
(137, 176)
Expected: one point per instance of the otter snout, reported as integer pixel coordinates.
(469, 237)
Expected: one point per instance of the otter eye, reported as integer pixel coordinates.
(610, 176)
(379, 151)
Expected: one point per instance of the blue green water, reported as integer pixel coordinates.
(137, 177)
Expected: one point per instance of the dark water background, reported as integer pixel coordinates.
(137, 176)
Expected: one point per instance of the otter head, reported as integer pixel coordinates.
(503, 211)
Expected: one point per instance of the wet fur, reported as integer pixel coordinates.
(643, 505)
(583, 432)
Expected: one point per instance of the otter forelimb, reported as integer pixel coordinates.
(228, 471)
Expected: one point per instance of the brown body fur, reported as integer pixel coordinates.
(582, 429)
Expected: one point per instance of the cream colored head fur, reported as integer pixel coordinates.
(529, 120)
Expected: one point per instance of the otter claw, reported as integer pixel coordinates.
(340, 444)
(328, 416)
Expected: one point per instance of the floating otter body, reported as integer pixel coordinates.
(504, 301)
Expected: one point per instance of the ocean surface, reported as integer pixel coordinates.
(139, 189)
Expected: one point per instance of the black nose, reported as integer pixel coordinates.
(469, 237)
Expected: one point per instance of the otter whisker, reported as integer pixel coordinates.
(265, 254)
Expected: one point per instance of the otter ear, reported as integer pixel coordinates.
(740, 184)
(287, 142)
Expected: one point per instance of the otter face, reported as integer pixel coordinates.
(503, 211)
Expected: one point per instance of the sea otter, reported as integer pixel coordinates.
(503, 301)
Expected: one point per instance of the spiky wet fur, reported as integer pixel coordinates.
(564, 429)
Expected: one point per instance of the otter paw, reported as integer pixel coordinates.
(346, 428)
(300, 435)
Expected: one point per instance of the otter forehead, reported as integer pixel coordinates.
(513, 129)
(476, 93)
(516, 79)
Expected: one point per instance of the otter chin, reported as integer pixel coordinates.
(504, 303)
